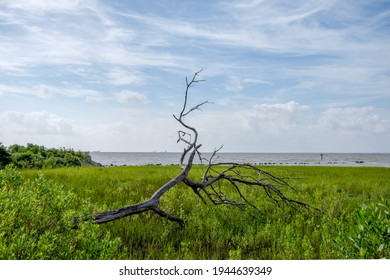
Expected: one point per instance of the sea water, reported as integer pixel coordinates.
(168, 158)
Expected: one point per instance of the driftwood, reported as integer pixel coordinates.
(215, 176)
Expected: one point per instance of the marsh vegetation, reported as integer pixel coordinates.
(37, 206)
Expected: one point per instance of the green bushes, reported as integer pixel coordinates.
(36, 222)
(34, 156)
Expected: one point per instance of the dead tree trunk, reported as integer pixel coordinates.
(213, 180)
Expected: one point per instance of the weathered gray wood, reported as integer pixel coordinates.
(150, 204)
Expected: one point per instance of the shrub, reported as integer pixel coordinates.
(34, 156)
(370, 235)
(36, 222)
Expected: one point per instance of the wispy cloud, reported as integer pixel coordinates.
(37, 123)
(39, 7)
(119, 77)
(238, 83)
(131, 97)
(281, 68)
(47, 91)
(77, 33)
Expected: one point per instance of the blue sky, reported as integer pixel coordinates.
(283, 76)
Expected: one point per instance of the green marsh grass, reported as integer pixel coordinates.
(226, 232)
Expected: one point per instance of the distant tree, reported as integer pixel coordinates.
(216, 179)
(5, 157)
(16, 148)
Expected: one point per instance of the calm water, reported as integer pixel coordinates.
(337, 159)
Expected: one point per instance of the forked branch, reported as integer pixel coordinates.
(216, 178)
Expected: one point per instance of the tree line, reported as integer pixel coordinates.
(35, 156)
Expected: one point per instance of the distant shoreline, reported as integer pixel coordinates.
(276, 159)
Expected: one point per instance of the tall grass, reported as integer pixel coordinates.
(223, 232)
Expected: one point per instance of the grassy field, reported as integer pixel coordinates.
(355, 222)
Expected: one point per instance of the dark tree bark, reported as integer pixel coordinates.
(210, 186)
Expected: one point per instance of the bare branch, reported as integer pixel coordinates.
(189, 84)
(215, 181)
(196, 107)
(168, 216)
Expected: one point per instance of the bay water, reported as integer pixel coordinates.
(169, 158)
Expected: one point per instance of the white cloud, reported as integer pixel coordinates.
(354, 120)
(265, 127)
(278, 116)
(39, 123)
(131, 97)
(285, 127)
(289, 107)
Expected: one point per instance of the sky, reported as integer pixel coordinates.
(279, 75)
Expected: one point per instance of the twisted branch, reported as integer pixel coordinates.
(213, 180)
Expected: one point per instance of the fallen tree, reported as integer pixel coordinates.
(216, 176)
